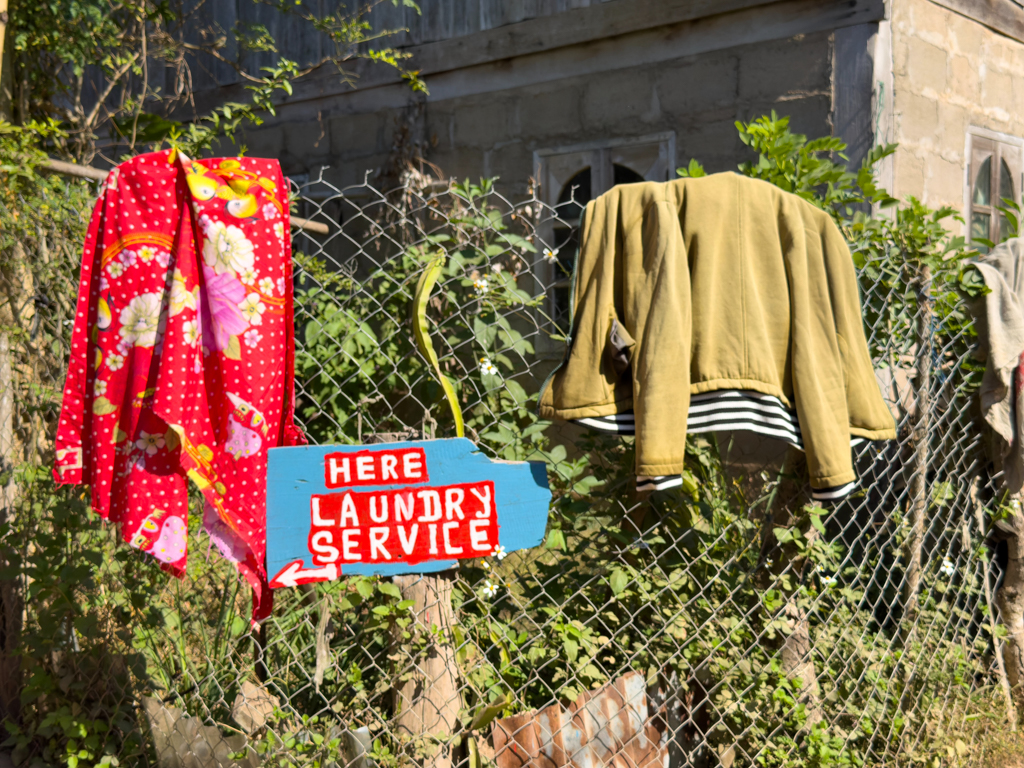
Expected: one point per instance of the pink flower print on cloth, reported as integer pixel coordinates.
(162, 536)
(244, 426)
(222, 317)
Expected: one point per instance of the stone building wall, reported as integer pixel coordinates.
(950, 73)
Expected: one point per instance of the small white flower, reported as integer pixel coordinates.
(269, 211)
(947, 567)
(99, 388)
(500, 553)
(115, 269)
(147, 253)
(266, 286)
(248, 276)
(149, 443)
(128, 258)
(481, 286)
(551, 255)
(114, 362)
(496, 268)
(191, 330)
(490, 590)
(104, 283)
(279, 230)
(487, 368)
(123, 346)
(280, 285)
(485, 565)
(252, 337)
(253, 309)
(827, 581)
(163, 258)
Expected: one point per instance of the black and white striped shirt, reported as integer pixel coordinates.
(721, 411)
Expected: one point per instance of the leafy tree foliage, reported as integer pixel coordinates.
(111, 74)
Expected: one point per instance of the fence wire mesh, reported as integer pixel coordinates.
(717, 624)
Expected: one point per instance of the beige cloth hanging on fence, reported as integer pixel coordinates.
(999, 319)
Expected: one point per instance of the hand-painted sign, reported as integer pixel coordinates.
(394, 508)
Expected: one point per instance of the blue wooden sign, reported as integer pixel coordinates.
(395, 508)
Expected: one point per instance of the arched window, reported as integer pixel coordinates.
(572, 199)
(569, 177)
(994, 175)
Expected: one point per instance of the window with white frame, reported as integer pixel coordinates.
(569, 178)
(994, 174)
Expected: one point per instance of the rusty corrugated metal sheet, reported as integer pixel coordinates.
(611, 727)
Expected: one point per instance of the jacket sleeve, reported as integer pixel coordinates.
(586, 384)
(869, 416)
(656, 287)
(836, 393)
(818, 372)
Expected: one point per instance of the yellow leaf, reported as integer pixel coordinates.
(234, 349)
(101, 406)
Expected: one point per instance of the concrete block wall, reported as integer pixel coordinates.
(699, 98)
(950, 72)
(495, 134)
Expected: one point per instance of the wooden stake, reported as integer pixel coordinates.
(426, 694)
(918, 503)
(3, 34)
(994, 614)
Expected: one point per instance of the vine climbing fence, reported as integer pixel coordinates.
(728, 622)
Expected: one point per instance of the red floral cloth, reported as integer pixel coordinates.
(182, 355)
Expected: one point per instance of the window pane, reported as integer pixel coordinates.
(1004, 228)
(622, 174)
(1005, 183)
(980, 223)
(560, 307)
(574, 196)
(983, 185)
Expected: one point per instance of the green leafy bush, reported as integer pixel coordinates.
(680, 587)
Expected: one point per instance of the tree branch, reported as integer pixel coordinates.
(108, 90)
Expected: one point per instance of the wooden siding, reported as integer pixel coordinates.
(439, 20)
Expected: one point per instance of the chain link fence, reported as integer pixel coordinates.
(724, 623)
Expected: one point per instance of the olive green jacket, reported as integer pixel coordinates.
(720, 282)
